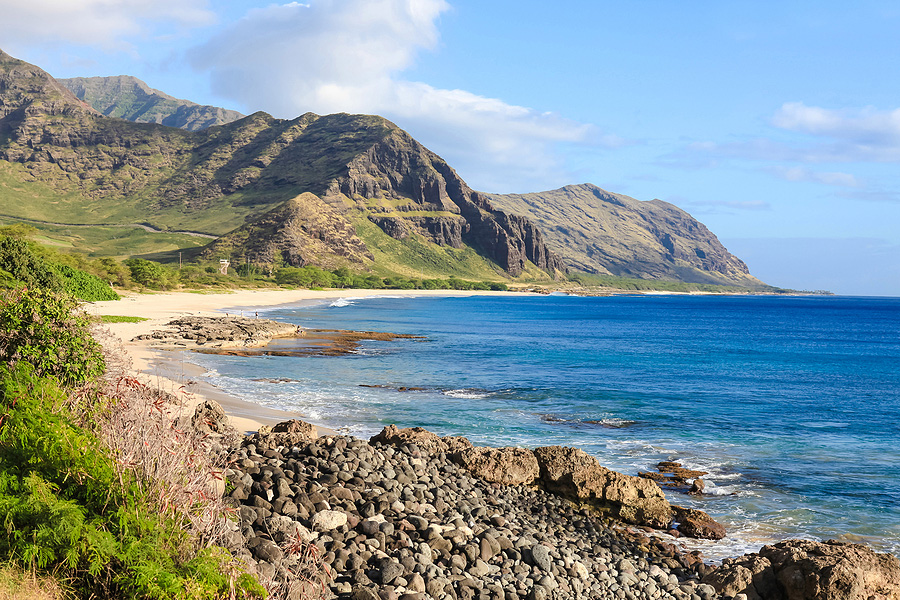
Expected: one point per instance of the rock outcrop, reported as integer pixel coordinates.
(407, 189)
(423, 439)
(220, 332)
(697, 524)
(288, 434)
(808, 570)
(507, 466)
(302, 231)
(575, 474)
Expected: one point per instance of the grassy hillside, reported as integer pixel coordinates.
(131, 99)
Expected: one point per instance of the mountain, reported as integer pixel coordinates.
(601, 232)
(351, 189)
(131, 99)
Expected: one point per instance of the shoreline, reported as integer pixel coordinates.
(169, 370)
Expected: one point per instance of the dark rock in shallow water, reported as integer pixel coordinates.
(698, 524)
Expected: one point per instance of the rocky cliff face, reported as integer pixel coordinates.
(302, 231)
(601, 232)
(407, 189)
(238, 176)
(131, 99)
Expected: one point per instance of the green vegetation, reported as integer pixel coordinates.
(121, 319)
(633, 284)
(314, 277)
(24, 263)
(38, 327)
(77, 502)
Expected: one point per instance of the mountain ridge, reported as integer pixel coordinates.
(129, 98)
(601, 232)
(79, 164)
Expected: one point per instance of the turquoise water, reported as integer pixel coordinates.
(792, 404)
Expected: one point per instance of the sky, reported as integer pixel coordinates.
(776, 124)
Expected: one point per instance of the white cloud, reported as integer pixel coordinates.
(102, 24)
(826, 178)
(857, 135)
(349, 55)
(866, 126)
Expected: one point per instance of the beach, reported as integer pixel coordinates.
(171, 369)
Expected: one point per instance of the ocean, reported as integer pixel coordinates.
(791, 404)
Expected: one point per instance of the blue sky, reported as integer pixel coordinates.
(777, 124)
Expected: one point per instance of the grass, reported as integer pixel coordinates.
(121, 319)
(413, 257)
(117, 242)
(19, 584)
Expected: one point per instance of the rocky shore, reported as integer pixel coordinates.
(409, 515)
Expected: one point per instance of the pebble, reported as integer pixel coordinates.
(395, 523)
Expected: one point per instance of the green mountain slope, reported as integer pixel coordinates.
(63, 162)
(600, 232)
(131, 99)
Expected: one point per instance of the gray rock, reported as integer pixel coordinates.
(326, 520)
(540, 555)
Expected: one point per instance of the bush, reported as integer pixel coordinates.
(114, 272)
(150, 274)
(304, 277)
(17, 259)
(40, 327)
(84, 286)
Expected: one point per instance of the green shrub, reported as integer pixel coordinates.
(150, 274)
(40, 327)
(17, 259)
(84, 286)
(304, 277)
(121, 319)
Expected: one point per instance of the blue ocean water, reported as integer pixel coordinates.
(792, 404)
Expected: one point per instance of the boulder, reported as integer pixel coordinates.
(210, 418)
(808, 570)
(751, 575)
(426, 440)
(508, 466)
(326, 520)
(697, 524)
(287, 433)
(574, 473)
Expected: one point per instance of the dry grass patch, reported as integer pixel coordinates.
(16, 584)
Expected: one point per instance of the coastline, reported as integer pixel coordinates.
(171, 370)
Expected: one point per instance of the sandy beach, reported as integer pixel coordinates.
(172, 370)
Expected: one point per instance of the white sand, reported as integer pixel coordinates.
(172, 371)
